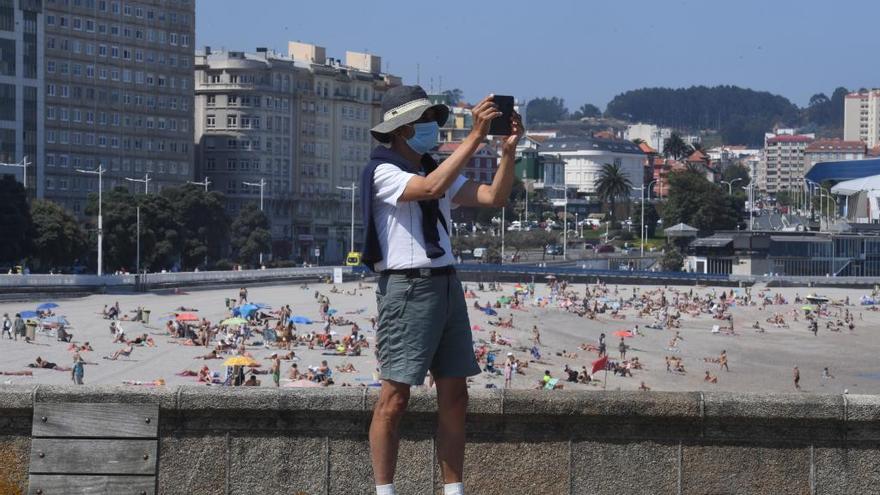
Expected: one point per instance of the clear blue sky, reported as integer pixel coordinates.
(581, 50)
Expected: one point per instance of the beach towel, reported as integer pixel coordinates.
(300, 320)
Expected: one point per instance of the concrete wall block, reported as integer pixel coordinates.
(623, 466)
(265, 462)
(16, 397)
(746, 469)
(605, 404)
(847, 470)
(514, 468)
(164, 397)
(192, 463)
(15, 451)
(191, 399)
(424, 400)
(863, 417)
(788, 407)
(351, 470)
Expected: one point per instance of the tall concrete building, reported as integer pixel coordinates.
(300, 121)
(119, 94)
(861, 117)
(244, 117)
(337, 104)
(21, 90)
(783, 161)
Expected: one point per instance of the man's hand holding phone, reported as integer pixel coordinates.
(483, 114)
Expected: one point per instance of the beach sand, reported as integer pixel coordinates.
(759, 362)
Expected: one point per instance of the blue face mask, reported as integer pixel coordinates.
(424, 138)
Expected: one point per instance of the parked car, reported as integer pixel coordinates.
(605, 248)
(555, 250)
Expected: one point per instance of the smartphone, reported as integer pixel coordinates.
(501, 126)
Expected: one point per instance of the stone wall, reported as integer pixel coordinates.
(314, 441)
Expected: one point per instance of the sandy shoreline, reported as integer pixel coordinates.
(759, 362)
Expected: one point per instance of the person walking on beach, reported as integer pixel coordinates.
(722, 360)
(7, 326)
(797, 378)
(510, 369)
(78, 370)
(621, 347)
(18, 327)
(406, 200)
(276, 369)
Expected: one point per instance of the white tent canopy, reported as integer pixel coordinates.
(855, 186)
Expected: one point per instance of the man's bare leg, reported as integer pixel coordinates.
(452, 399)
(384, 434)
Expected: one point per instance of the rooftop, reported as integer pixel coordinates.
(836, 145)
(789, 139)
(582, 143)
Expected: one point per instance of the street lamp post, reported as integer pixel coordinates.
(644, 189)
(352, 188)
(730, 185)
(145, 181)
(526, 189)
(138, 262)
(23, 165)
(204, 183)
(564, 190)
(100, 173)
(261, 185)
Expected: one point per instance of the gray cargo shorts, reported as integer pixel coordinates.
(423, 325)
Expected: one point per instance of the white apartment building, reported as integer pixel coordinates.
(651, 134)
(861, 117)
(21, 91)
(584, 158)
(782, 166)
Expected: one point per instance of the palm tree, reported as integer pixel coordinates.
(612, 184)
(675, 147)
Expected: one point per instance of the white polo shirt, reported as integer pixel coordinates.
(399, 223)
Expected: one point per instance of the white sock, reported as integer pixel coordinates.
(453, 489)
(385, 489)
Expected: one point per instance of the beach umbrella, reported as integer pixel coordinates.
(47, 305)
(233, 322)
(550, 277)
(623, 333)
(246, 310)
(240, 361)
(28, 314)
(300, 320)
(187, 317)
(261, 305)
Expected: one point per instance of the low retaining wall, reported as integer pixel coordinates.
(216, 440)
(22, 284)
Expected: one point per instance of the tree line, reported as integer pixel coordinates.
(181, 228)
(741, 115)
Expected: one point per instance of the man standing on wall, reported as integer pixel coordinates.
(423, 324)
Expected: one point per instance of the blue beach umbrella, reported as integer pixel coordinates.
(28, 314)
(46, 306)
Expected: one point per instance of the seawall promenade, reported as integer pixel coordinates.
(214, 440)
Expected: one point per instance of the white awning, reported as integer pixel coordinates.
(855, 186)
